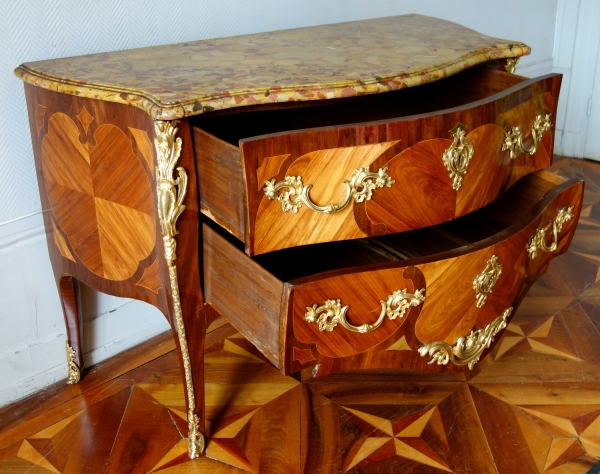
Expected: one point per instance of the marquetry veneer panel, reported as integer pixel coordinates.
(394, 138)
(363, 275)
(89, 186)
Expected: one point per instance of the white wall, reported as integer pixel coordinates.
(32, 333)
(592, 139)
(576, 56)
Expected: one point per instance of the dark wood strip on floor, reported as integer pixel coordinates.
(531, 406)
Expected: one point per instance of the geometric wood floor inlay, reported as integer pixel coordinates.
(530, 406)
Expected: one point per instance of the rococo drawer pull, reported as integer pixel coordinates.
(332, 312)
(457, 156)
(485, 281)
(513, 140)
(468, 349)
(359, 188)
(538, 240)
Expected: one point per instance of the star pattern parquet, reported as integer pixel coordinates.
(531, 406)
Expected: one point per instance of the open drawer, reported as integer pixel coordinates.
(439, 294)
(372, 165)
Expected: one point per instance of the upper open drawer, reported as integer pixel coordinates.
(372, 165)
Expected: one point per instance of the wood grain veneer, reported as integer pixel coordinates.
(487, 101)
(95, 164)
(95, 160)
(540, 383)
(441, 314)
(65, 157)
(238, 287)
(220, 179)
(110, 228)
(254, 296)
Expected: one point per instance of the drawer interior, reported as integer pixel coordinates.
(513, 206)
(232, 125)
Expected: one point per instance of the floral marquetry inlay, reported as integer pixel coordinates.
(85, 118)
(60, 243)
(89, 187)
(40, 117)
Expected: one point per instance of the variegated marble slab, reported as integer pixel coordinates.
(315, 63)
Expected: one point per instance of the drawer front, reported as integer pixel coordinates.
(347, 182)
(464, 295)
(348, 314)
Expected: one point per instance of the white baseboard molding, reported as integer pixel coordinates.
(52, 355)
(32, 384)
(31, 367)
(19, 232)
(32, 328)
(110, 341)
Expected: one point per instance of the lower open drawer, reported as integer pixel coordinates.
(430, 299)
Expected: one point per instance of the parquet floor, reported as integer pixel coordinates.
(531, 406)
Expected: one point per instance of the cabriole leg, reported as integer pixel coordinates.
(171, 193)
(71, 304)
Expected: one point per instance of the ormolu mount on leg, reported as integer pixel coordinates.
(171, 193)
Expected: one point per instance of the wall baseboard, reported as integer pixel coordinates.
(32, 328)
(32, 384)
(135, 326)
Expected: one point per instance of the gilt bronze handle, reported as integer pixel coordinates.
(333, 313)
(360, 188)
(513, 140)
(538, 240)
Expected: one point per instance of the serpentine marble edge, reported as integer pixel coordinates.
(314, 63)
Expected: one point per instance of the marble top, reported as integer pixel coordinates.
(314, 63)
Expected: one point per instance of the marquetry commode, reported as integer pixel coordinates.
(302, 186)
